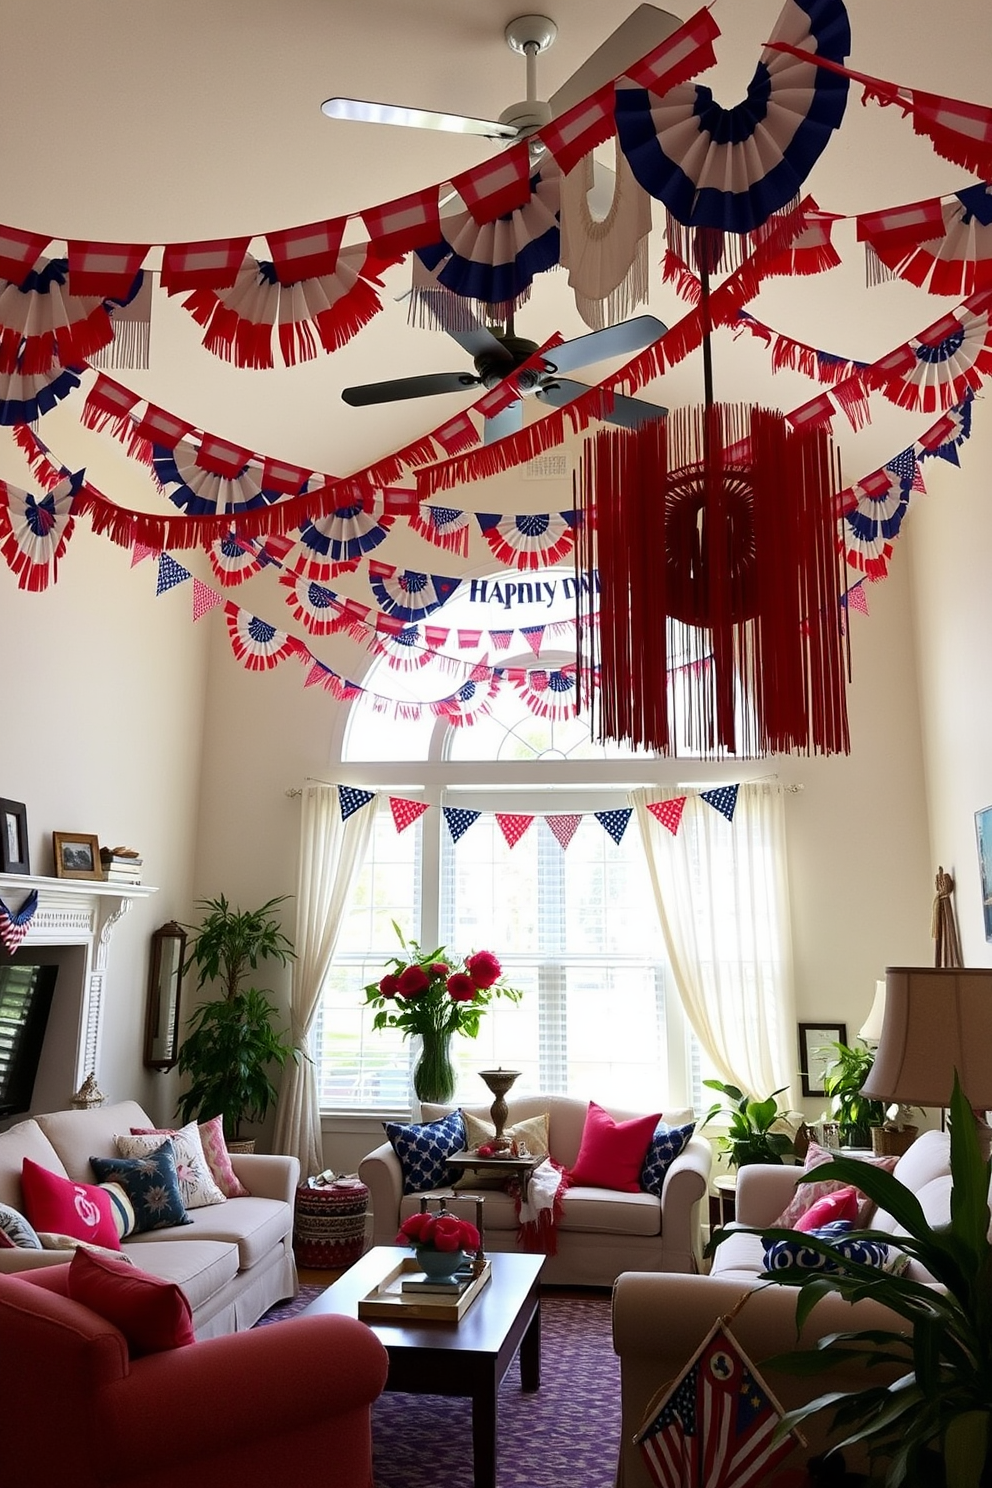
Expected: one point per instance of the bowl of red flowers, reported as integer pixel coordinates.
(442, 1242)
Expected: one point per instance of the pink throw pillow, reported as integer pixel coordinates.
(153, 1314)
(612, 1153)
(843, 1204)
(807, 1194)
(214, 1150)
(82, 1210)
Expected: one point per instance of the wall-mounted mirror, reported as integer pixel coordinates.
(165, 980)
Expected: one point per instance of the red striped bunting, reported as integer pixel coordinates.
(902, 227)
(306, 252)
(212, 264)
(398, 227)
(688, 51)
(19, 251)
(160, 427)
(574, 133)
(106, 270)
(497, 187)
(221, 458)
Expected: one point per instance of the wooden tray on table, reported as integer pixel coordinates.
(387, 1301)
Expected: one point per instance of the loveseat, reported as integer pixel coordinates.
(233, 1260)
(283, 1404)
(660, 1321)
(601, 1232)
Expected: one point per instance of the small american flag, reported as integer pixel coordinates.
(715, 1426)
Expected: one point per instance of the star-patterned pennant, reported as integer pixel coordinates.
(534, 636)
(563, 828)
(668, 813)
(512, 826)
(459, 820)
(857, 599)
(139, 552)
(205, 599)
(405, 812)
(170, 573)
(615, 822)
(723, 799)
(350, 799)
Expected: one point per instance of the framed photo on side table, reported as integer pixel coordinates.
(815, 1053)
(77, 855)
(983, 827)
(14, 837)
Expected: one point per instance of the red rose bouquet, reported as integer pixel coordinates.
(434, 995)
(439, 1232)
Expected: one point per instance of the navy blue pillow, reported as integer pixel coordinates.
(423, 1150)
(666, 1144)
(781, 1254)
(151, 1183)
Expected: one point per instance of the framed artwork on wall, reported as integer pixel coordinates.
(983, 828)
(815, 1053)
(77, 855)
(13, 837)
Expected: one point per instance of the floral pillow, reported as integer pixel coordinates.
(214, 1150)
(807, 1194)
(151, 1183)
(423, 1149)
(196, 1183)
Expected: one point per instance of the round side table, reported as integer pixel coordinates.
(726, 1198)
(329, 1228)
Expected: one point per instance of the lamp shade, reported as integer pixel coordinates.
(871, 1029)
(937, 1020)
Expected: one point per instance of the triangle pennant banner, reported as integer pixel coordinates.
(513, 827)
(405, 812)
(170, 573)
(723, 799)
(205, 599)
(615, 822)
(352, 800)
(668, 813)
(140, 552)
(459, 820)
(564, 828)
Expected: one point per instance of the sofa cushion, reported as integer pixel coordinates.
(665, 1146)
(219, 1159)
(253, 1226)
(783, 1255)
(928, 1157)
(807, 1194)
(196, 1182)
(151, 1183)
(75, 1135)
(16, 1231)
(842, 1204)
(607, 1211)
(79, 1209)
(612, 1153)
(422, 1148)
(203, 1268)
(154, 1315)
(26, 1139)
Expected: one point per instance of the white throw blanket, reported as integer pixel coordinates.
(538, 1216)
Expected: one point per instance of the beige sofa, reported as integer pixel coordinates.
(234, 1261)
(660, 1321)
(601, 1232)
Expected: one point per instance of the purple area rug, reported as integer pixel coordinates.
(566, 1435)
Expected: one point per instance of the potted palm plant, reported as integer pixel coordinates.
(755, 1132)
(232, 1042)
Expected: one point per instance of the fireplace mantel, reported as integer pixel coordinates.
(75, 912)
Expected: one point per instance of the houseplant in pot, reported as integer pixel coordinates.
(232, 1042)
(755, 1133)
(843, 1078)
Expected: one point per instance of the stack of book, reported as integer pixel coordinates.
(120, 865)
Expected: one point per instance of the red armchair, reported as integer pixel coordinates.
(288, 1403)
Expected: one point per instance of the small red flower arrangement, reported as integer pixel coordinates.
(444, 1232)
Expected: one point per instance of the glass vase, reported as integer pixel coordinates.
(433, 1075)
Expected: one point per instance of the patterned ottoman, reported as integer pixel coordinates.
(329, 1230)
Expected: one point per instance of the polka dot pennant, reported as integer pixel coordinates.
(459, 820)
(205, 599)
(352, 800)
(669, 813)
(723, 799)
(564, 828)
(615, 822)
(405, 812)
(170, 573)
(513, 827)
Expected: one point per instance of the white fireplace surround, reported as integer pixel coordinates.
(73, 924)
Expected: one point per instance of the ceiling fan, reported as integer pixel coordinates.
(497, 351)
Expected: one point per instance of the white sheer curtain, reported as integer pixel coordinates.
(722, 898)
(332, 852)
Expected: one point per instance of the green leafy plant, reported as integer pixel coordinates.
(751, 1137)
(929, 1427)
(232, 1042)
(842, 1080)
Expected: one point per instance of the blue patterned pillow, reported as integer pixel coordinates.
(781, 1254)
(151, 1183)
(423, 1150)
(666, 1144)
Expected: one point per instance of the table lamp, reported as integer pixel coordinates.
(871, 1029)
(937, 1020)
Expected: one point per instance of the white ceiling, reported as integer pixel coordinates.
(172, 120)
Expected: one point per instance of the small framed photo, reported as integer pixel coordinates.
(14, 837)
(77, 855)
(816, 1053)
(983, 828)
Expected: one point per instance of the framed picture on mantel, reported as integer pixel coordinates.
(13, 837)
(77, 855)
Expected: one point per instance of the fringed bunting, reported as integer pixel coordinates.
(734, 554)
(606, 258)
(550, 694)
(873, 510)
(25, 397)
(181, 474)
(106, 270)
(942, 439)
(679, 57)
(312, 604)
(939, 365)
(211, 264)
(43, 326)
(256, 643)
(334, 543)
(234, 559)
(470, 702)
(409, 595)
(401, 648)
(532, 541)
(34, 531)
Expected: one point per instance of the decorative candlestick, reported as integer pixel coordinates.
(499, 1082)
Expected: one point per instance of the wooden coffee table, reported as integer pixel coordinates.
(469, 1357)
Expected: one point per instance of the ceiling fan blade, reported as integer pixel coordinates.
(643, 30)
(628, 413)
(409, 387)
(450, 313)
(600, 346)
(508, 421)
(363, 111)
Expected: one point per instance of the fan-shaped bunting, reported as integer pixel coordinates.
(256, 643)
(532, 540)
(200, 492)
(409, 595)
(730, 169)
(325, 312)
(954, 260)
(936, 368)
(552, 694)
(312, 604)
(335, 544)
(494, 264)
(25, 396)
(234, 559)
(402, 648)
(42, 325)
(444, 527)
(943, 439)
(467, 704)
(34, 531)
(873, 515)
